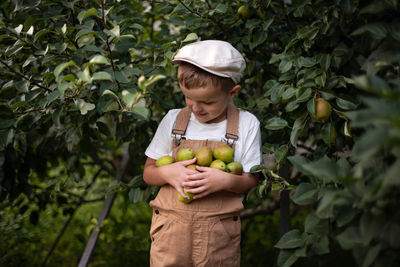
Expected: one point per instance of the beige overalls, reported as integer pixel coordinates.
(205, 232)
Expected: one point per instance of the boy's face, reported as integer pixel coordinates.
(209, 104)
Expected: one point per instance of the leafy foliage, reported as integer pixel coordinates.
(84, 83)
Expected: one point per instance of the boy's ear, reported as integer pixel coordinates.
(234, 91)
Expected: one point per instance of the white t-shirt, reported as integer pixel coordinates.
(247, 147)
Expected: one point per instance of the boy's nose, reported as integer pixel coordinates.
(196, 107)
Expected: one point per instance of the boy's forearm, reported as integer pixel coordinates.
(242, 183)
(151, 175)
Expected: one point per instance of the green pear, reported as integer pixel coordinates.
(204, 156)
(185, 200)
(323, 109)
(235, 167)
(218, 164)
(224, 153)
(185, 154)
(165, 160)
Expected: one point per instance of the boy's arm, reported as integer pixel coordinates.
(174, 174)
(210, 180)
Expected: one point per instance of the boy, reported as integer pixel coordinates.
(205, 232)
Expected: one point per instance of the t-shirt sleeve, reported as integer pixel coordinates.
(161, 144)
(251, 154)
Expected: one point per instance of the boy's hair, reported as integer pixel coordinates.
(191, 77)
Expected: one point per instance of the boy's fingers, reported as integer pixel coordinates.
(187, 162)
(180, 191)
(201, 168)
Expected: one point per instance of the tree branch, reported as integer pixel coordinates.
(249, 213)
(103, 17)
(23, 76)
(66, 224)
(190, 10)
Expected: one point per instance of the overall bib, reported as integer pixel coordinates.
(205, 232)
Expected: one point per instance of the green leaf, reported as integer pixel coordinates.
(276, 93)
(370, 143)
(6, 137)
(347, 128)
(311, 106)
(298, 162)
(392, 175)
(288, 93)
(303, 94)
(52, 96)
(372, 254)
(280, 153)
(294, 136)
(86, 13)
(349, 238)
(276, 186)
(326, 204)
(291, 239)
(61, 67)
(40, 34)
(321, 246)
(85, 32)
(153, 79)
(345, 104)
(305, 194)
(285, 66)
(323, 169)
(325, 61)
(316, 225)
(308, 62)
(84, 107)
(115, 32)
(376, 30)
(257, 168)
(221, 8)
(276, 123)
(109, 92)
(102, 76)
(98, 59)
(134, 195)
(141, 110)
(297, 129)
(328, 133)
(190, 37)
(129, 97)
(258, 38)
(84, 75)
(320, 80)
(286, 258)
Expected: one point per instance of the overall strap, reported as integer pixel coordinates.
(181, 122)
(232, 125)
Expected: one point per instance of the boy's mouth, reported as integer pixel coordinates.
(200, 114)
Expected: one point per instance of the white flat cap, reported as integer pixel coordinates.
(217, 57)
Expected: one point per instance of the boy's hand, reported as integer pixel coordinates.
(207, 181)
(176, 174)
